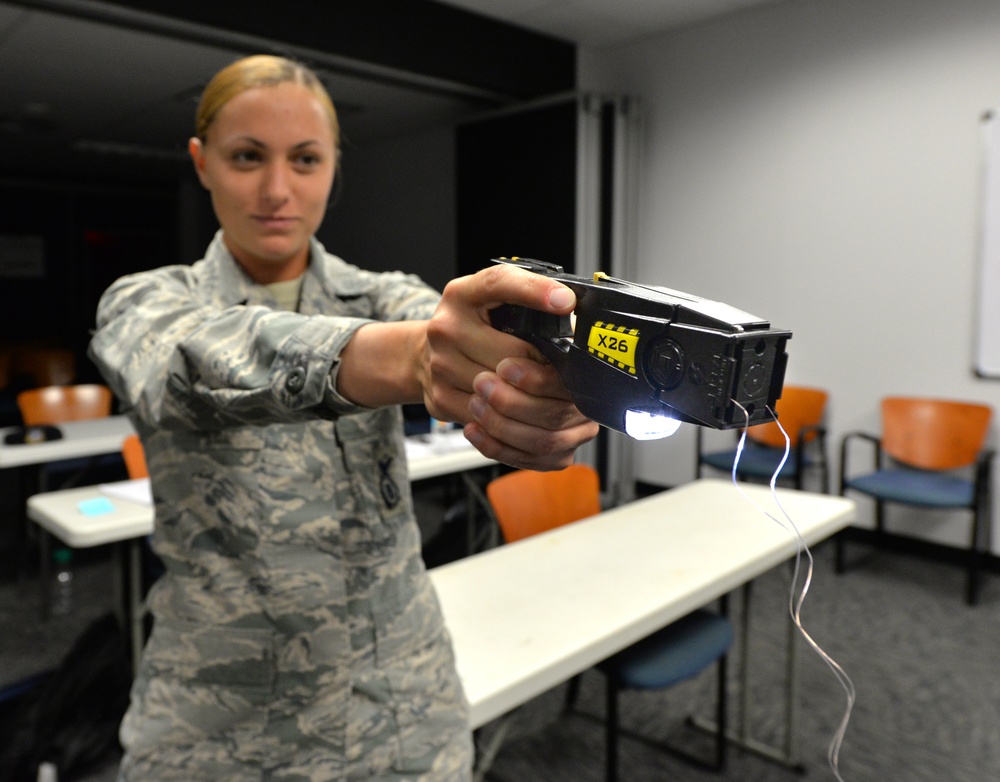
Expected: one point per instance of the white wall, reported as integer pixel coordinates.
(817, 163)
(397, 206)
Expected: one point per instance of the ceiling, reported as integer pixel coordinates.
(604, 22)
(88, 96)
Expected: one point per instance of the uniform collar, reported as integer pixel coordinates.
(236, 287)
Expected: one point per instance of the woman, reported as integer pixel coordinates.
(296, 634)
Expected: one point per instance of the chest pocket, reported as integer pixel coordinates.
(376, 461)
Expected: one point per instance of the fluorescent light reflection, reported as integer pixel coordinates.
(641, 425)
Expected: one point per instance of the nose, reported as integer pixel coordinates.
(274, 186)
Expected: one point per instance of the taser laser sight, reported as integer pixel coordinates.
(642, 359)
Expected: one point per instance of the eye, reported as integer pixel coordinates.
(307, 160)
(245, 157)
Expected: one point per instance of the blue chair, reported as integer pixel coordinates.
(800, 411)
(930, 455)
(526, 503)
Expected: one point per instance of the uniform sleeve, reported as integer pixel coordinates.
(397, 296)
(177, 360)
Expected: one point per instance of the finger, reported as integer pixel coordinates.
(532, 377)
(506, 284)
(555, 459)
(494, 398)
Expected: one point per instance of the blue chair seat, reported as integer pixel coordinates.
(913, 487)
(671, 655)
(756, 461)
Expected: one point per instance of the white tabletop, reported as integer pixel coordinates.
(526, 616)
(80, 438)
(443, 453)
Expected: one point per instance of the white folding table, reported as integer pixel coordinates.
(92, 437)
(530, 615)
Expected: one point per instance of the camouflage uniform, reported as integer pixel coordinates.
(296, 634)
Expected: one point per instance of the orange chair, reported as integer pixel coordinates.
(930, 454)
(53, 405)
(800, 411)
(135, 457)
(526, 503)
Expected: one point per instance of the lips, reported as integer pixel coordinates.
(275, 223)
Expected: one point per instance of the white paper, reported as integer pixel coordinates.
(137, 491)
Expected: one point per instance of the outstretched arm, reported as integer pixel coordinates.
(514, 406)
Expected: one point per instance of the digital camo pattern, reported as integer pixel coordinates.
(296, 634)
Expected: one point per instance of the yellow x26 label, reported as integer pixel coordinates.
(615, 344)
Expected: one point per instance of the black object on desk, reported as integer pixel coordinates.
(27, 435)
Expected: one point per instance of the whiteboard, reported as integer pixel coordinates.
(987, 361)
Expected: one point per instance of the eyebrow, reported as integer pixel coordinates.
(258, 143)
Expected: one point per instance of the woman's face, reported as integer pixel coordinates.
(268, 162)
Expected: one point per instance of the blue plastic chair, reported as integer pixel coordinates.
(526, 503)
(931, 455)
(800, 411)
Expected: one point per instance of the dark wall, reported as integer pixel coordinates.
(516, 187)
(416, 36)
(91, 235)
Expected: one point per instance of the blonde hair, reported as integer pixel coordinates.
(259, 70)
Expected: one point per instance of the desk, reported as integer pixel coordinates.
(528, 616)
(80, 438)
(443, 453)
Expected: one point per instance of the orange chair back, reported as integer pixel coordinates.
(797, 408)
(57, 404)
(933, 434)
(135, 457)
(527, 502)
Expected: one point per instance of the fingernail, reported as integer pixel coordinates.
(474, 434)
(510, 371)
(477, 406)
(483, 386)
(561, 298)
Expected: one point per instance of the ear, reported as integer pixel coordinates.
(197, 151)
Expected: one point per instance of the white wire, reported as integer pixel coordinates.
(795, 604)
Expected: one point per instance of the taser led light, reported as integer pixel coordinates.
(642, 425)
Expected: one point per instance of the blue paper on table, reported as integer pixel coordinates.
(96, 507)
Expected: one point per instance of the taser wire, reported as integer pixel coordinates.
(795, 603)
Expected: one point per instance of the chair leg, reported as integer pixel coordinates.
(721, 738)
(972, 585)
(572, 693)
(611, 728)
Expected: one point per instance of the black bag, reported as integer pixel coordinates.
(71, 718)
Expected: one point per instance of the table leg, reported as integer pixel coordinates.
(129, 597)
(787, 755)
(476, 497)
(135, 603)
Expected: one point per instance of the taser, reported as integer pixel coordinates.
(643, 359)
